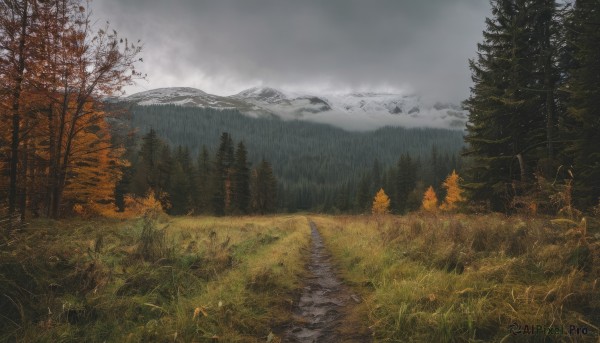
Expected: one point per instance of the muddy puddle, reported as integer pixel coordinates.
(321, 315)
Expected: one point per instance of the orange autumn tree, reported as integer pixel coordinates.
(453, 192)
(430, 200)
(56, 65)
(381, 203)
(94, 165)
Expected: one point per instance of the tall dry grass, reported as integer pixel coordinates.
(447, 278)
(151, 279)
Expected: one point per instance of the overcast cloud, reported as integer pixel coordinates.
(225, 46)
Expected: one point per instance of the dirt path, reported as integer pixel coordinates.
(322, 313)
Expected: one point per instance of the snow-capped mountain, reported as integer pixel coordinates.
(182, 96)
(354, 111)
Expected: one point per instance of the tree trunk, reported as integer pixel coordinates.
(16, 116)
(23, 182)
(51, 157)
(56, 161)
(549, 85)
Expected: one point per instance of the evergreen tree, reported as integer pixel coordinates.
(507, 122)
(342, 200)
(181, 182)
(203, 179)
(179, 190)
(406, 179)
(363, 194)
(222, 175)
(264, 186)
(584, 102)
(164, 177)
(241, 180)
(376, 176)
(184, 158)
(147, 168)
(435, 168)
(121, 188)
(389, 179)
(546, 31)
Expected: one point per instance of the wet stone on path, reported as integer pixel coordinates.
(321, 310)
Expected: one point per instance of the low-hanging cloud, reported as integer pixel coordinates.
(224, 46)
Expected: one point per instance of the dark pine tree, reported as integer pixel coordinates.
(406, 179)
(165, 164)
(222, 175)
(179, 190)
(263, 188)
(363, 194)
(241, 180)
(584, 104)
(507, 130)
(146, 173)
(203, 182)
(376, 176)
(182, 182)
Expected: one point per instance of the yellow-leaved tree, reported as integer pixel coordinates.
(430, 200)
(381, 203)
(453, 192)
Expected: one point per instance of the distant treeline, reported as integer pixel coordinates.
(318, 167)
(220, 184)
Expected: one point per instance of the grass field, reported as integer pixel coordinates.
(469, 278)
(202, 279)
(175, 279)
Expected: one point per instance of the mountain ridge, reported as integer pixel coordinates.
(356, 111)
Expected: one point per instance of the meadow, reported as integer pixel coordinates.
(151, 279)
(459, 278)
(442, 278)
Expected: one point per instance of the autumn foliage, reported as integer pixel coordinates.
(56, 150)
(381, 203)
(453, 192)
(430, 200)
(137, 206)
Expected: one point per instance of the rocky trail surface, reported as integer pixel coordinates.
(322, 314)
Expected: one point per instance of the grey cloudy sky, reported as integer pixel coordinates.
(225, 46)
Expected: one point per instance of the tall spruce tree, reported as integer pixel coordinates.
(510, 111)
(406, 179)
(241, 180)
(165, 165)
(363, 194)
(203, 182)
(222, 175)
(435, 171)
(179, 189)
(584, 101)
(376, 176)
(182, 182)
(145, 171)
(264, 187)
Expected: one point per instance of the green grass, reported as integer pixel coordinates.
(172, 279)
(422, 278)
(463, 278)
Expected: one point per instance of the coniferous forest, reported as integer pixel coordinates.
(220, 184)
(318, 167)
(533, 109)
